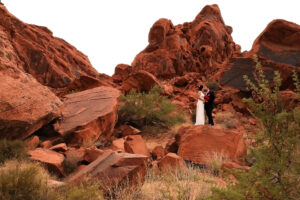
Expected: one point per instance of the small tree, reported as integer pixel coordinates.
(275, 172)
(148, 109)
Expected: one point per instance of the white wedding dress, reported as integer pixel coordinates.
(200, 116)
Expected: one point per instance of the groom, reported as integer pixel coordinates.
(209, 105)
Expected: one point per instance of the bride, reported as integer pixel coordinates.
(200, 116)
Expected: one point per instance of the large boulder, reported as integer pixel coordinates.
(171, 161)
(141, 81)
(199, 46)
(114, 170)
(198, 143)
(88, 115)
(51, 60)
(135, 144)
(50, 158)
(25, 104)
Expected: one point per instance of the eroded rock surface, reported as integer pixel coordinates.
(113, 169)
(199, 143)
(88, 115)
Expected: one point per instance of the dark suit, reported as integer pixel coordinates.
(209, 106)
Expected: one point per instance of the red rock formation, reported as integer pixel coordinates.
(232, 165)
(62, 147)
(113, 169)
(277, 47)
(125, 130)
(141, 81)
(196, 143)
(118, 145)
(92, 153)
(171, 161)
(136, 145)
(25, 104)
(88, 115)
(52, 61)
(158, 152)
(199, 46)
(122, 72)
(52, 159)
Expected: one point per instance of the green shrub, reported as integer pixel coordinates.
(24, 180)
(275, 171)
(12, 149)
(84, 192)
(148, 109)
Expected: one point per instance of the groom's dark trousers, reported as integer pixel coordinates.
(209, 106)
(208, 110)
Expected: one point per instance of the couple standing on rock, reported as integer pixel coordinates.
(205, 102)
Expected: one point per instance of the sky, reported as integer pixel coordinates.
(111, 32)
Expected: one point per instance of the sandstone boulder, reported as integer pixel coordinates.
(122, 72)
(171, 161)
(46, 144)
(158, 152)
(92, 153)
(25, 105)
(114, 169)
(33, 142)
(197, 143)
(118, 144)
(232, 165)
(136, 145)
(88, 115)
(50, 158)
(62, 147)
(125, 130)
(141, 81)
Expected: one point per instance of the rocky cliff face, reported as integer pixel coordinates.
(277, 47)
(50, 60)
(202, 45)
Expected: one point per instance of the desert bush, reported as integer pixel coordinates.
(148, 109)
(275, 171)
(21, 180)
(228, 119)
(12, 149)
(88, 191)
(214, 161)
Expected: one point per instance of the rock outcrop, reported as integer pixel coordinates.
(277, 48)
(135, 144)
(50, 60)
(197, 143)
(199, 46)
(88, 115)
(50, 158)
(114, 169)
(25, 104)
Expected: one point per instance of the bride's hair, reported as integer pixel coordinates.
(200, 87)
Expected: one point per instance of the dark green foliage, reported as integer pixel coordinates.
(148, 109)
(275, 173)
(12, 149)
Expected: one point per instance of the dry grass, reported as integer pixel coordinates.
(226, 119)
(188, 183)
(214, 161)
